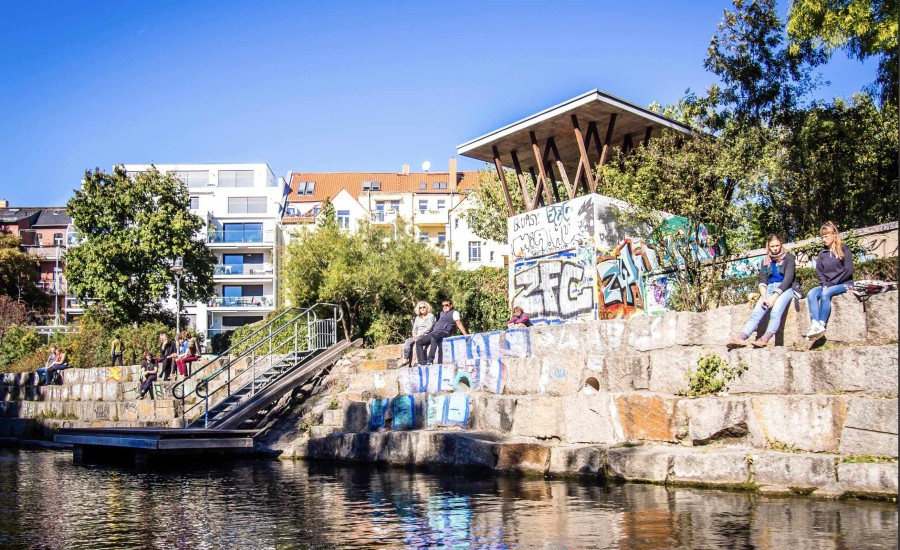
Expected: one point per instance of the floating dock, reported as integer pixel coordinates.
(146, 445)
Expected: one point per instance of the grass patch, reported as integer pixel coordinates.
(54, 415)
(867, 459)
(712, 375)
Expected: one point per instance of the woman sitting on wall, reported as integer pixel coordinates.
(777, 285)
(422, 323)
(519, 319)
(149, 371)
(834, 267)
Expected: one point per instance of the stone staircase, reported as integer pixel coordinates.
(609, 398)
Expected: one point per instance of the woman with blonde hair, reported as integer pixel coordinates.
(422, 324)
(834, 267)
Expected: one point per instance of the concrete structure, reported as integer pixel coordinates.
(433, 202)
(241, 205)
(609, 398)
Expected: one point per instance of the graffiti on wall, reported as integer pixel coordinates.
(561, 286)
(555, 228)
(620, 275)
(658, 292)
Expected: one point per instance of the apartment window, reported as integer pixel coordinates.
(442, 204)
(423, 237)
(239, 320)
(306, 187)
(246, 205)
(456, 256)
(343, 218)
(193, 178)
(39, 238)
(195, 203)
(235, 178)
(442, 237)
(242, 233)
(395, 206)
(491, 255)
(371, 186)
(423, 205)
(423, 186)
(456, 223)
(475, 251)
(238, 291)
(57, 239)
(439, 185)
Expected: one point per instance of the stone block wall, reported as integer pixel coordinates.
(610, 396)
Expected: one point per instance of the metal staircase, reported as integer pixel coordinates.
(277, 356)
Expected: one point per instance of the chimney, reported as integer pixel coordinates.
(452, 182)
(4, 203)
(406, 169)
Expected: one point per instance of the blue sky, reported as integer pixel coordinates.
(321, 86)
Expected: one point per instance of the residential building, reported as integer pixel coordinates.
(241, 205)
(433, 202)
(42, 231)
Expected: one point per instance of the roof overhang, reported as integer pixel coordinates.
(632, 124)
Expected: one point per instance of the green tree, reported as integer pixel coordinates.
(132, 231)
(375, 277)
(696, 179)
(18, 272)
(488, 212)
(834, 162)
(863, 28)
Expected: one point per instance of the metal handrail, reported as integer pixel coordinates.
(312, 339)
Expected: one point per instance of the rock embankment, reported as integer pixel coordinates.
(609, 398)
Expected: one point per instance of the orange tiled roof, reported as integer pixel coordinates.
(329, 184)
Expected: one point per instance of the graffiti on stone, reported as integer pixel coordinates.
(558, 287)
(658, 292)
(620, 278)
(555, 228)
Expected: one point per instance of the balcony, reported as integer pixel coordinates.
(240, 237)
(383, 216)
(251, 302)
(243, 269)
(432, 217)
(47, 252)
(54, 289)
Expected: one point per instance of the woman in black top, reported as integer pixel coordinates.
(834, 267)
(777, 285)
(149, 370)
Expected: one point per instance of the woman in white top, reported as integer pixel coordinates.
(422, 323)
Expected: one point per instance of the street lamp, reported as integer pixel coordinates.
(178, 270)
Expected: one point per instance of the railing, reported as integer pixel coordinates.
(381, 216)
(47, 252)
(238, 237)
(243, 269)
(242, 301)
(279, 345)
(52, 288)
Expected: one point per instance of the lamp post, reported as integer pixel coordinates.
(178, 270)
(56, 289)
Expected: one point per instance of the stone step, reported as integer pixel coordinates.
(126, 411)
(738, 467)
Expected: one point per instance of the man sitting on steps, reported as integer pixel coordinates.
(445, 326)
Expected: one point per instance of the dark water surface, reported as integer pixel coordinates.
(46, 502)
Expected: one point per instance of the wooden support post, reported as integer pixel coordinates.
(526, 196)
(584, 162)
(551, 145)
(542, 182)
(627, 144)
(538, 197)
(647, 135)
(606, 144)
(551, 175)
(499, 166)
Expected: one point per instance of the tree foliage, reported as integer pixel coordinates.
(374, 277)
(132, 231)
(487, 214)
(863, 28)
(18, 272)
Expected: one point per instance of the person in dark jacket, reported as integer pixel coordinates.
(834, 267)
(777, 286)
(167, 355)
(447, 323)
(149, 370)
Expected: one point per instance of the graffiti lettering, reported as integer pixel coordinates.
(555, 288)
(620, 280)
(560, 227)
(557, 213)
(525, 220)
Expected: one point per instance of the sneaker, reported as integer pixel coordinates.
(816, 329)
(763, 340)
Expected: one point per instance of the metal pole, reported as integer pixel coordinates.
(56, 290)
(177, 305)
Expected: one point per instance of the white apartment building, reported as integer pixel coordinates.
(241, 205)
(433, 202)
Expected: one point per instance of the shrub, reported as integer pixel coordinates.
(221, 341)
(17, 343)
(712, 375)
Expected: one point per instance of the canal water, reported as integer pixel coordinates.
(46, 502)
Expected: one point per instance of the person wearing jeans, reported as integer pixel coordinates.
(447, 323)
(834, 267)
(777, 285)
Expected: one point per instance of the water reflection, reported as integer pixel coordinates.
(47, 502)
